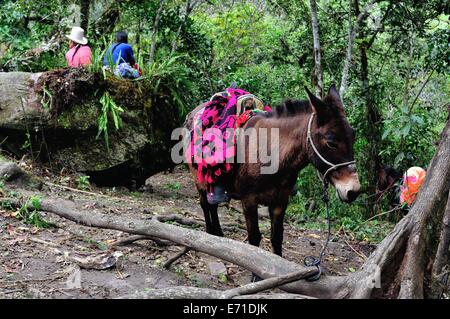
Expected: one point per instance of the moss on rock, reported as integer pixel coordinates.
(68, 137)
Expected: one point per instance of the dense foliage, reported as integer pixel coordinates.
(399, 66)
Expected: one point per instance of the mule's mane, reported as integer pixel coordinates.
(290, 108)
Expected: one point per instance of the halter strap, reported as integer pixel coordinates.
(332, 166)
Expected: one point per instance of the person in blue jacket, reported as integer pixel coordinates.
(120, 54)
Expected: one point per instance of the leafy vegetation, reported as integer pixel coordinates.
(173, 186)
(47, 98)
(94, 243)
(83, 182)
(29, 213)
(109, 109)
(222, 278)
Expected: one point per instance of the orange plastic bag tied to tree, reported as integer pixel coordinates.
(412, 180)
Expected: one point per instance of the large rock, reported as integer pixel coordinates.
(12, 173)
(18, 98)
(61, 127)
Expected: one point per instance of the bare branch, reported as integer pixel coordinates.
(177, 256)
(317, 57)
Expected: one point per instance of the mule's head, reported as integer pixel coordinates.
(333, 138)
(387, 177)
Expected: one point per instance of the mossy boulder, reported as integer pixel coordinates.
(53, 117)
(13, 175)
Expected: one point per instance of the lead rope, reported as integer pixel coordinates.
(312, 261)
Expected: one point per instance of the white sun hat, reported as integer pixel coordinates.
(77, 35)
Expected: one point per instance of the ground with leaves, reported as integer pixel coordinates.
(41, 263)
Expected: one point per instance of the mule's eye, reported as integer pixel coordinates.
(331, 144)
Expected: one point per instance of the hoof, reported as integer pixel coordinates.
(218, 233)
(255, 278)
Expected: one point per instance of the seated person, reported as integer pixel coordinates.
(120, 56)
(79, 53)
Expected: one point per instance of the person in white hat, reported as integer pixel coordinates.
(79, 53)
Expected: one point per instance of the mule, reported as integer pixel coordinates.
(312, 131)
(389, 186)
(388, 182)
(387, 177)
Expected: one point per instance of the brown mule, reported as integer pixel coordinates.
(329, 149)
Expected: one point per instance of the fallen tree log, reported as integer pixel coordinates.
(246, 291)
(53, 117)
(132, 239)
(183, 292)
(263, 263)
(192, 222)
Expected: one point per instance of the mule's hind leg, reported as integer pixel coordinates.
(251, 220)
(254, 235)
(210, 212)
(277, 228)
(217, 230)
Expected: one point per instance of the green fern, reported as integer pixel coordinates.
(47, 98)
(109, 108)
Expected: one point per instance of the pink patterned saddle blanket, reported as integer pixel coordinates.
(213, 138)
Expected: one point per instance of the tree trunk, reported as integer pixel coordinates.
(402, 260)
(138, 39)
(441, 266)
(188, 11)
(429, 213)
(352, 32)
(155, 31)
(408, 71)
(261, 262)
(318, 75)
(84, 10)
(373, 118)
(106, 23)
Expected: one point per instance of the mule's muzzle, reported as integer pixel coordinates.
(352, 195)
(347, 187)
(347, 196)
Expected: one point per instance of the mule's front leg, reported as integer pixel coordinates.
(211, 219)
(251, 220)
(217, 230)
(277, 227)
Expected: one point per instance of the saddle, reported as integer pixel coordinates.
(246, 102)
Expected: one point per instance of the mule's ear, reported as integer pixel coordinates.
(333, 90)
(334, 96)
(316, 104)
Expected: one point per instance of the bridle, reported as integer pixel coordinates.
(332, 166)
(311, 260)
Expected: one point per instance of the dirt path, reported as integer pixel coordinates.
(36, 263)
